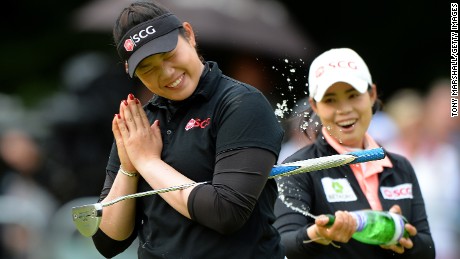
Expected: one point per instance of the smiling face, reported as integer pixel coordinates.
(346, 113)
(173, 75)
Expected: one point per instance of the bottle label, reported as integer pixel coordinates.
(360, 220)
(399, 228)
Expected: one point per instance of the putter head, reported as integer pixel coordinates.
(87, 218)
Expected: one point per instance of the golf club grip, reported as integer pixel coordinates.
(367, 155)
(320, 163)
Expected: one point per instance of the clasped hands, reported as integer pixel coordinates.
(137, 141)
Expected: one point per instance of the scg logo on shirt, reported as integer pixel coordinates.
(197, 123)
(398, 192)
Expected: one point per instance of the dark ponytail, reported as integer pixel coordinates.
(134, 14)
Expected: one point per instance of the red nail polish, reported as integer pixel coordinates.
(131, 96)
(137, 101)
(118, 116)
(125, 102)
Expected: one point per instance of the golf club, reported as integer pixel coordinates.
(87, 218)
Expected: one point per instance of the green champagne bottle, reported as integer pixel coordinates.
(377, 227)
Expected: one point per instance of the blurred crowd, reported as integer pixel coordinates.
(56, 152)
(430, 138)
(53, 156)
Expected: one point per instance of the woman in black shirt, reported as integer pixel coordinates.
(200, 126)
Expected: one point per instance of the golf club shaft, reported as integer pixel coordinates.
(152, 192)
(303, 166)
(88, 217)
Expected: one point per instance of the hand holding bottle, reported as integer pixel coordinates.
(405, 242)
(390, 229)
(342, 229)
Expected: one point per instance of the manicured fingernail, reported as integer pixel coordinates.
(125, 102)
(131, 96)
(137, 101)
(118, 116)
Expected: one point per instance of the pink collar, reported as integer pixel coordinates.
(369, 143)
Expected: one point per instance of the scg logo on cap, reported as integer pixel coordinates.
(131, 42)
(340, 64)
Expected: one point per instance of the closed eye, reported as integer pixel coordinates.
(143, 70)
(153, 63)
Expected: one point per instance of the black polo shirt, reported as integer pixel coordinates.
(309, 189)
(222, 115)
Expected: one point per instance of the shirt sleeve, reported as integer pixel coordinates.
(239, 178)
(107, 246)
(248, 120)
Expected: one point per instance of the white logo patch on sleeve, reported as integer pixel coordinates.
(338, 190)
(398, 192)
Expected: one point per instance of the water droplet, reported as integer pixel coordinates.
(292, 199)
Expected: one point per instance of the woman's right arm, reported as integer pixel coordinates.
(118, 219)
(117, 229)
(105, 244)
